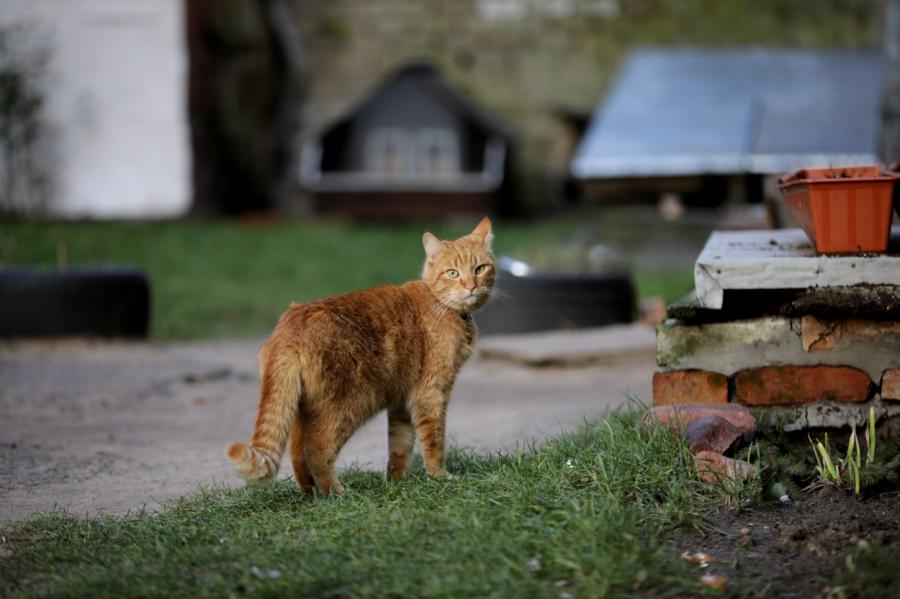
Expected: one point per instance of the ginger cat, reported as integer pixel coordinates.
(332, 364)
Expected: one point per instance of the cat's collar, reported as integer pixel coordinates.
(468, 323)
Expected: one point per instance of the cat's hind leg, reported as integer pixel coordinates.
(323, 437)
(298, 460)
(401, 439)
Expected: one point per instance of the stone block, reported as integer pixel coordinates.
(714, 468)
(728, 347)
(786, 385)
(890, 384)
(688, 387)
(724, 347)
(817, 334)
(822, 415)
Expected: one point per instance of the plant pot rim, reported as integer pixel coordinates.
(874, 173)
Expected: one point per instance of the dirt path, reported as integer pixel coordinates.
(113, 427)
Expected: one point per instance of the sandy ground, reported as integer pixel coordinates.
(113, 427)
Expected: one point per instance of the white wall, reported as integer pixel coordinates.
(116, 103)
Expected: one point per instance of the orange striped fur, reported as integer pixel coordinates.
(332, 364)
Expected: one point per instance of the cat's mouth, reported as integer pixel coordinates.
(472, 299)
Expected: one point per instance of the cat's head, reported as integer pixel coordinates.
(461, 272)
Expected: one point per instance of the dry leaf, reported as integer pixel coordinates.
(699, 558)
(714, 582)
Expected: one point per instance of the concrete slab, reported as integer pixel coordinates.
(112, 427)
(603, 345)
(727, 347)
(783, 259)
(823, 414)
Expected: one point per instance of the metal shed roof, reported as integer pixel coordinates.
(675, 112)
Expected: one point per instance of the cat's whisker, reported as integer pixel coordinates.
(504, 295)
(434, 315)
(439, 309)
(502, 292)
(503, 300)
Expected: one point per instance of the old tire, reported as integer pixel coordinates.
(543, 302)
(107, 302)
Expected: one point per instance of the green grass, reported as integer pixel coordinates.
(868, 571)
(671, 284)
(228, 278)
(587, 515)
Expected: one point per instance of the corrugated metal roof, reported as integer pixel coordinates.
(700, 111)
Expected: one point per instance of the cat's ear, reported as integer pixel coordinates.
(433, 246)
(483, 230)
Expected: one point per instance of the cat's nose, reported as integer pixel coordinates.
(470, 288)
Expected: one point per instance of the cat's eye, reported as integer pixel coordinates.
(480, 269)
(452, 273)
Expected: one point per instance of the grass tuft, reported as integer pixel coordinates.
(587, 514)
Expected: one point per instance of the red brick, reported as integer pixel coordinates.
(890, 384)
(689, 386)
(784, 385)
(714, 433)
(714, 468)
(823, 334)
(683, 415)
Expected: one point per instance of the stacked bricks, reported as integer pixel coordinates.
(800, 363)
(793, 366)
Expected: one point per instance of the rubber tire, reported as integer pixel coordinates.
(547, 302)
(103, 302)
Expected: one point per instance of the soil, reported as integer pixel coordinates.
(793, 549)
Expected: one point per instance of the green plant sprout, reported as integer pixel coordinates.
(848, 469)
(870, 437)
(824, 465)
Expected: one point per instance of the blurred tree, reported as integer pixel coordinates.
(25, 143)
(244, 100)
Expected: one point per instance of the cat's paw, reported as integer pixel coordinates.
(335, 490)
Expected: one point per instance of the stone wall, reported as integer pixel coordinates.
(796, 372)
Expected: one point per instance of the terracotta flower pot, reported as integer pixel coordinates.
(843, 210)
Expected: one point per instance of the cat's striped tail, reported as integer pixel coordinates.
(279, 398)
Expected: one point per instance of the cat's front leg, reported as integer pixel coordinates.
(429, 412)
(401, 439)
